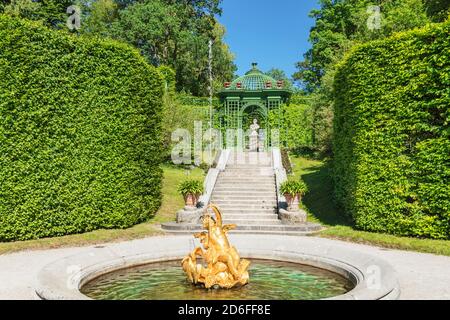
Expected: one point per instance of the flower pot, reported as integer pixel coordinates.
(293, 202)
(191, 200)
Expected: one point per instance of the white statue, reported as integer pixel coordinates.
(254, 135)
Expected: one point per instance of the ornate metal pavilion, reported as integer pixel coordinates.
(253, 96)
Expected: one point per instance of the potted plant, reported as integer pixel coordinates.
(293, 191)
(191, 190)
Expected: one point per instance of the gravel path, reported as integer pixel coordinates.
(421, 276)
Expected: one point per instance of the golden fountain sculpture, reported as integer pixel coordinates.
(223, 266)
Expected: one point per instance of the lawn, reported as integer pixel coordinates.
(172, 202)
(319, 204)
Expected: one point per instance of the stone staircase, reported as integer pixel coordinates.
(246, 194)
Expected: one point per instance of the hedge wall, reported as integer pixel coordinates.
(80, 131)
(296, 126)
(391, 144)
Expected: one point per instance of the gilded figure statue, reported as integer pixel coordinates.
(220, 265)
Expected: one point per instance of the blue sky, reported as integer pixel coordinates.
(272, 33)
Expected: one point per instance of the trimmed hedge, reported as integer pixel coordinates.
(391, 144)
(296, 126)
(80, 125)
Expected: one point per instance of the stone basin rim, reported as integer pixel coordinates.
(63, 279)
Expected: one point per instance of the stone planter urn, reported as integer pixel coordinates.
(293, 202)
(293, 192)
(191, 200)
(191, 190)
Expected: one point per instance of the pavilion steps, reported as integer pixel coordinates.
(246, 195)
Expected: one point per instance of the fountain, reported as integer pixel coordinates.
(225, 269)
(280, 268)
(215, 270)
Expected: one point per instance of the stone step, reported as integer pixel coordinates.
(193, 228)
(240, 188)
(244, 193)
(241, 156)
(248, 208)
(233, 217)
(250, 165)
(255, 177)
(232, 205)
(237, 184)
(246, 183)
(241, 171)
(250, 160)
(240, 211)
(255, 207)
(247, 232)
(242, 197)
(247, 167)
(244, 203)
(248, 172)
(259, 222)
(250, 168)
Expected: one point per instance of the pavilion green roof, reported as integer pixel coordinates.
(255, 80)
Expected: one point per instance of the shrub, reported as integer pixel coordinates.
(391, 141)
(287, 165)
(193, 187)
(294, 187)
(80, 131)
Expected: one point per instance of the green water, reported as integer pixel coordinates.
(269, 280)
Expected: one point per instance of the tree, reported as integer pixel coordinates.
(51, 12)
(279, 74)
(340, 25)
(438, 10)
(99, 17)
(176, 34)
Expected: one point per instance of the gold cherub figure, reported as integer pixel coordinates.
(223, 266)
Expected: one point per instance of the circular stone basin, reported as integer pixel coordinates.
(283, 268)
(269, 280)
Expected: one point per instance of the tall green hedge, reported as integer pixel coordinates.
(296, 131)
(80, 124)
(391, 144)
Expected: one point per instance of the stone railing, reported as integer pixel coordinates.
(193, 215)
(280, 176)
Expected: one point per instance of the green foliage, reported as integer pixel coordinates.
(294, 187)
(322, 125)
(296, 125)
(391, 144)
(194, 187)
(287, 165)
(99, 17)
(177, 115)
(175, 34)
(340, 25)
(279, 74)
(438, 10)
(80, 142)
(52, 13)
(169, 77)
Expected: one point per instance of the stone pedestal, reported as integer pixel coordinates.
(190, 215)
(293, 217)
(253, 147)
